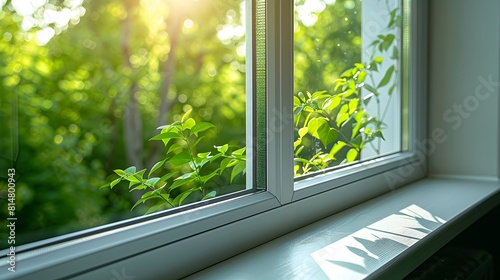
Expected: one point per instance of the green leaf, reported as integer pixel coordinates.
(320, 129)
(136, 177)
(216, 156)
(197, 141)
(349, 73)
(379, 134)
(137, 187)
(298, 110)
(186, 115)
(332, 103)
(387, 42)
(341, 118)
(336, 148)
(209, 195)
(105, 186)
(165, 136)
(361, 76)
(297, 152)
(120, 172)
(200, 127)
(145, 197)
(314, 125)
(359, 66)
(180, 198)
(303, 131)
(351, 155)
(392, 18)
(391, 89)
(167, 176)
(131, 170)
(203, 155)
(232, 162)
(296, 101)
(378, 59)
(353, 105)
(114, 182)
(357, 142)
(189, 123)
(152, 181)
(155, 208)
(180, 183)
(327, 134)
(371, 89)
(237, 169)
(338, 83)
(223, 164)
(319, 95)
(205, 178)
(156, 167)
(174, 147)
(387, 77)
(395, 53)
(180, 158)
(352, 85)
(343, 115)
(188, 175)
(301, 97)
(223, 148)
(239, 152)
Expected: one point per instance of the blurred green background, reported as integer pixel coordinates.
(85, 84)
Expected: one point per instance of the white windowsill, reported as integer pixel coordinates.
(389, 235)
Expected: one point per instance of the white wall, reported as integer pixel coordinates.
(464, 50)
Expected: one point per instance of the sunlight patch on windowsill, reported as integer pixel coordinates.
(358, 254)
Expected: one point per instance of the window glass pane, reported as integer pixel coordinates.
(84, 86)
(347, 103)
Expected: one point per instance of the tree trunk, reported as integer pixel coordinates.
(132, 120)
(174, 25)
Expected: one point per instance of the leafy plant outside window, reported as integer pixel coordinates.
(338, 119)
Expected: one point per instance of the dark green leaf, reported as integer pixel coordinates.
(180, 158)
(371, 89)
(209, 195)
(205, 178)
(237, 169)
(336, 148)
(154, 208)
(180, 198)
(174, 147)
(200, 127)
(180, 183)
(387, 77)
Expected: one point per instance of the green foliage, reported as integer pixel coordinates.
(75, 94)
(184, 172)
(338, 120)
(333, 128)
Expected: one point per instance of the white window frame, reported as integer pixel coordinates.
(180, 244)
